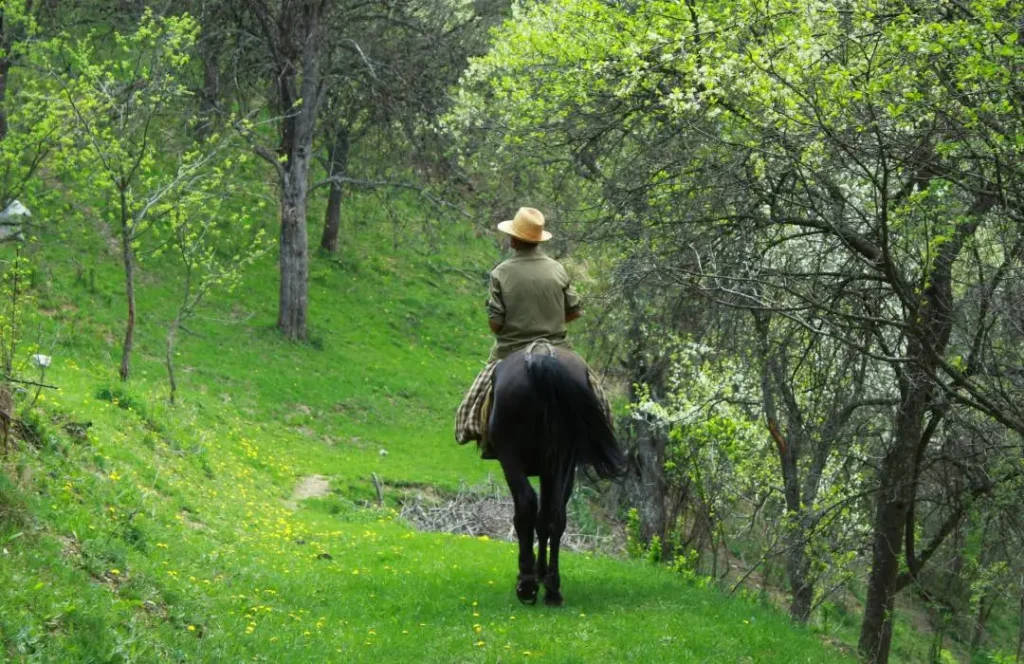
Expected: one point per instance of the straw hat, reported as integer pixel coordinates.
(528, 225)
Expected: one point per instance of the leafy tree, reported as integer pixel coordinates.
(30, 128)
(202, 232)
(126, 110)
(852, 168)
(390, 70)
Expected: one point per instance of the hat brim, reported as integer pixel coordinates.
(507, 228)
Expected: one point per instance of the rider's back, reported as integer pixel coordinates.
(530, 297)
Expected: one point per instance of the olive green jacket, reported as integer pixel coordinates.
(530, 296)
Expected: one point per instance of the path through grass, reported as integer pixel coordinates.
(136, 531)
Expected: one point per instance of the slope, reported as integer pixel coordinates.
(133, 530)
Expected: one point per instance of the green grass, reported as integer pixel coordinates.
(137, 531)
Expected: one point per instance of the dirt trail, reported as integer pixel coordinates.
(310, 486)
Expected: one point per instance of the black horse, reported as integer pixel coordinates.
(545, 421)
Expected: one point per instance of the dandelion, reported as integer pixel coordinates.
(191, 628)
(115, 572)
(480, 644)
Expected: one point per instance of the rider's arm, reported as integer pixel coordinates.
(573, 306)
(495, 306)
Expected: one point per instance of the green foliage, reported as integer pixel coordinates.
(13, 513)
(133, 157)
(823, 161)
(123, 105)
(635, 545)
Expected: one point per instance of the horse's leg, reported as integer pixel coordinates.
(525, 499)
(544, 524)
(552, 580)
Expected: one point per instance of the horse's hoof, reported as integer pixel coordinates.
(526, 590)
(553, 598)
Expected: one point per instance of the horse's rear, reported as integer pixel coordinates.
(545, 421)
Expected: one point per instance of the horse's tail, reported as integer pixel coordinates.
(572, 419)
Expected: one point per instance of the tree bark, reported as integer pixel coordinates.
(5, 69)
(895, 489)
(172, 334)
(338, 165)
(647, 485)
(798, 564)
(297, 145)
(928, 338)
(128, 255)
(650, 489)
(209, 96)
(985, 604)
(294, 258)
(1020, 630)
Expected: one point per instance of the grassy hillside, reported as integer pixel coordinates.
(132, 530)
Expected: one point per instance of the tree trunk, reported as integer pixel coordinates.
(297, 128)
(797, 563)
(128, 254)
(338, 158)
(646, 484)
(985, 604)
(5, 69)
(6, 43)
(1020, 629)
(895, 488)
(172, 335)
(773, 378)
(650, 481)
(797, 567)
(294, 257)
(209, 96)
(897, 484)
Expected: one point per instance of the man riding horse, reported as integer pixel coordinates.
(531, 299)
(535, 408)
